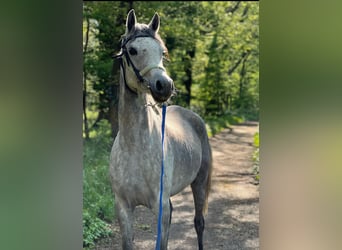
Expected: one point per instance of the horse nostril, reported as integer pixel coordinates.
(161, 89)
(159, 85)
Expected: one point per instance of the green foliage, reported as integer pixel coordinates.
(226, 64)
(93, 229)
(98, 202)
(213, 49)
(256, 157)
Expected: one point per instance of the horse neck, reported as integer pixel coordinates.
(136, 120)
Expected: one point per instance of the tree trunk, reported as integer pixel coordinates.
(85, 118)
(113, 117)
(242, 79)
(188, 72)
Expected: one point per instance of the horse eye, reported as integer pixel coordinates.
(132, 51)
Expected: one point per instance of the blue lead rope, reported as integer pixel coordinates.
(160, 215)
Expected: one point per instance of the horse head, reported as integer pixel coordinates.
(142, 53)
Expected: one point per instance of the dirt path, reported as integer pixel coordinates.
(232, 221)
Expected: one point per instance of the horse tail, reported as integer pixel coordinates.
(208, 186)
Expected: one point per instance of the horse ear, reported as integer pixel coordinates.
(130, 21)
(155, 23)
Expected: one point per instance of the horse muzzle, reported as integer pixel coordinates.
(162, 88)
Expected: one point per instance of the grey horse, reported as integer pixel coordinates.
(135, 161)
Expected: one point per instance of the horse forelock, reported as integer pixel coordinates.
(142, 30)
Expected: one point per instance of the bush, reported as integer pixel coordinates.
(98, 201)
(93, 229)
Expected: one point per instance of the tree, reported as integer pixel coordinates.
(110, 19)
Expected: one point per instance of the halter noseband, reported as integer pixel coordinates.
(139, 74)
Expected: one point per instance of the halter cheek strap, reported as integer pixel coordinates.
(139, 74)
(124, 55)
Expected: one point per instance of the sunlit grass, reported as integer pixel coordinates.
(256, 157)
(217, 124)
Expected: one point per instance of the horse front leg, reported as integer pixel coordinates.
(125, 217)
(166, 222)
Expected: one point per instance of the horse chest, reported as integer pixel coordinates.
(134, 174)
